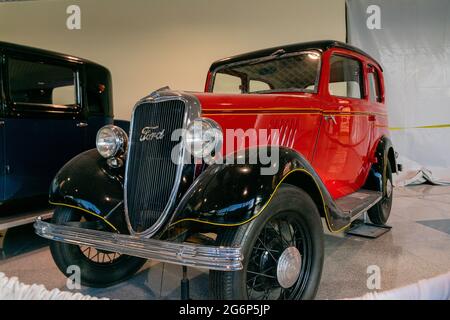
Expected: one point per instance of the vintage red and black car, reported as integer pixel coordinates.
(181, 191)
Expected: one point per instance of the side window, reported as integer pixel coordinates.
(64, 96)
(374, 87)
(40, 84)
(257, 85)
(225, 83)
(346, 77)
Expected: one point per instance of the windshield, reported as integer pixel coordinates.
(298, 72)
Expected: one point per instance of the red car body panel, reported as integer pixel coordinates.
(337, 135)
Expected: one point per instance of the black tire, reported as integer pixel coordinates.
(291, 207)
(93, 273)
(379, 213)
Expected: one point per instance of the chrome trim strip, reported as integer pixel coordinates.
(187, 254)
(192, 111)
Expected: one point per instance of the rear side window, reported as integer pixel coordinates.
(256, 85)
(346, 78)
(41, 84)
(225, 83)
(374, 86)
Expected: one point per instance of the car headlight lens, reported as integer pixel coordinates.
(111, 141)
(203, 137)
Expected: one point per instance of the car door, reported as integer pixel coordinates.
(341, 153)
(44, 127)
(375, 99)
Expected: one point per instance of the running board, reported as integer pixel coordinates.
(16, 219)
(355, 204)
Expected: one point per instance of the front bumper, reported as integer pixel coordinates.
(187, 254)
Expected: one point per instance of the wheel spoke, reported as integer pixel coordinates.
(283, 231)
(268, 250)
(95, 256)
(291, 233)
(279, 235)
(284, 294)
(253, 286)
(270, 253)
(261, 274)
(266, 294)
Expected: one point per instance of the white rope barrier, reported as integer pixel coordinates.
(12, 289)
(437, 288)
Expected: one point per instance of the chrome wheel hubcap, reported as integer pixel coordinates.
(289, 267)
(389, 188)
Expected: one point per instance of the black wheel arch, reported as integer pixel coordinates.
(207, 205)
(384, 153)
(88, 184)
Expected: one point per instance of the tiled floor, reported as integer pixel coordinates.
(417, 247)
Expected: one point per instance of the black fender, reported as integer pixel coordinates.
(87, 183)
(229, 195)
(384, 152)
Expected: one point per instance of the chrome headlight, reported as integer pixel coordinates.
(111, 141)
(203, 137)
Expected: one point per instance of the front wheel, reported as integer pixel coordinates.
(98, 268)
(282, 248)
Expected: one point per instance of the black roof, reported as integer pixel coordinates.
(322, 45)
(42, 52)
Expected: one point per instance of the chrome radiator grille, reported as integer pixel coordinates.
(151, 174)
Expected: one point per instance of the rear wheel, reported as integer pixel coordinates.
(98, 268)
(379, 213)
(282, 248)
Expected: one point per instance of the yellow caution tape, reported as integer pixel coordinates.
(421, 127)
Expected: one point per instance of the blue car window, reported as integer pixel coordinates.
(38, 83)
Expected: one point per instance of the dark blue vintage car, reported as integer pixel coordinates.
(52, 106)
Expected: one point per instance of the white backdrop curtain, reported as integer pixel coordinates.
(413, 46)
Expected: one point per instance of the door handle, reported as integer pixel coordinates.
(329, 117)
(82, 124)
